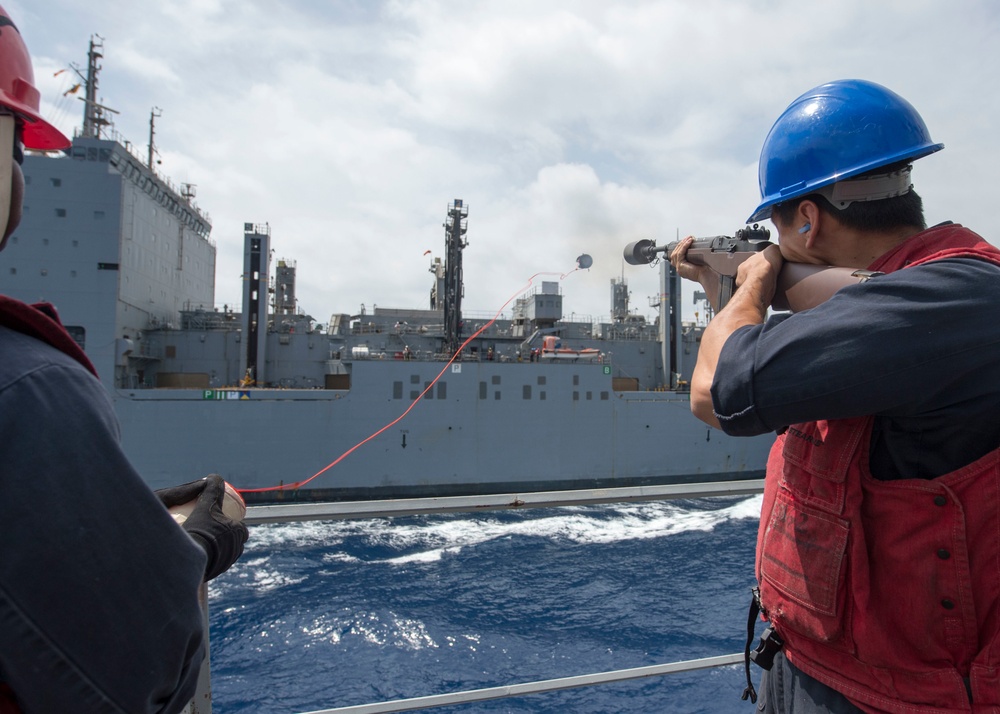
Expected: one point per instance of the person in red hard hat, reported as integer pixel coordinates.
(879, 536)
(99, 606)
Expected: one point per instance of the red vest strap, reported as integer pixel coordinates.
(8, 704)
(41, 321)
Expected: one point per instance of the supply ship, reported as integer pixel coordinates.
(438, 401)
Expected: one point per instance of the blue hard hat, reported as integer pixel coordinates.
(833, 132)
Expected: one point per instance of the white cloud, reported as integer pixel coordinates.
(567, 127)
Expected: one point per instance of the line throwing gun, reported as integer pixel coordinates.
(800, 286)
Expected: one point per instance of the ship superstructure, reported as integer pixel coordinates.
(267, 395)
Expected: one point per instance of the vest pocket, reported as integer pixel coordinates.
(816, 457)
(802, 569)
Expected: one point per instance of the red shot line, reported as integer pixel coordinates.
(299, 484)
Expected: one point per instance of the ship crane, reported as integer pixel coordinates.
(525, 347)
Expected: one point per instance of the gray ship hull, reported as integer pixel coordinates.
(482, 428)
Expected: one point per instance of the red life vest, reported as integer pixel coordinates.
(887, 591)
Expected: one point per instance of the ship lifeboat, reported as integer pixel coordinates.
(552, 349)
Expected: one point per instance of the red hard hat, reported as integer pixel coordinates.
(18, 92)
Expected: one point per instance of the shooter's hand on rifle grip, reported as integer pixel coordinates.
(761, 270)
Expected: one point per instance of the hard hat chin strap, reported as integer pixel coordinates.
(7, 127)
(868, 188)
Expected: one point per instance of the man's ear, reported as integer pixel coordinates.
(808, 214)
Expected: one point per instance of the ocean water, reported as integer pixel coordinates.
(326, 614)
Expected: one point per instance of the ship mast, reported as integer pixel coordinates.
(92, 119)
(153, 114)
(455, 228)
(93, 112)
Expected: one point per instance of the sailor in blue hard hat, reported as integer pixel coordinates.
(833, 134)
(878, 586)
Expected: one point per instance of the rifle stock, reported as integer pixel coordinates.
(802, 286)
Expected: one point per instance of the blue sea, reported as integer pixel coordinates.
(326, 614)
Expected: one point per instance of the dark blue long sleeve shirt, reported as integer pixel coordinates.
(98, 585)
(918, 348)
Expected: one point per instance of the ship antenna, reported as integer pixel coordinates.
(153, 114)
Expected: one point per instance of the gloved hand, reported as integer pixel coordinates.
(221, 537)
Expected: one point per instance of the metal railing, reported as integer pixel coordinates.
(358, 510)
(539, 687)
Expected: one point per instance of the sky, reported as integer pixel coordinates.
(348, 126)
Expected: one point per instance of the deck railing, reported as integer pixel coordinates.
(354, 510)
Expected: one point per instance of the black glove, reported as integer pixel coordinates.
(221, 537)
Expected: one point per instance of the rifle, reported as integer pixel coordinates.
(800, 286)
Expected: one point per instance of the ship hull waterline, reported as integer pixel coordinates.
(482, 428)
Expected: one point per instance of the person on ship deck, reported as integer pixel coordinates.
(99, 607)
(880, 529)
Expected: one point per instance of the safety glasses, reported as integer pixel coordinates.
(10, 135)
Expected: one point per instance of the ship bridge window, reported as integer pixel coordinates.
(526, 392)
